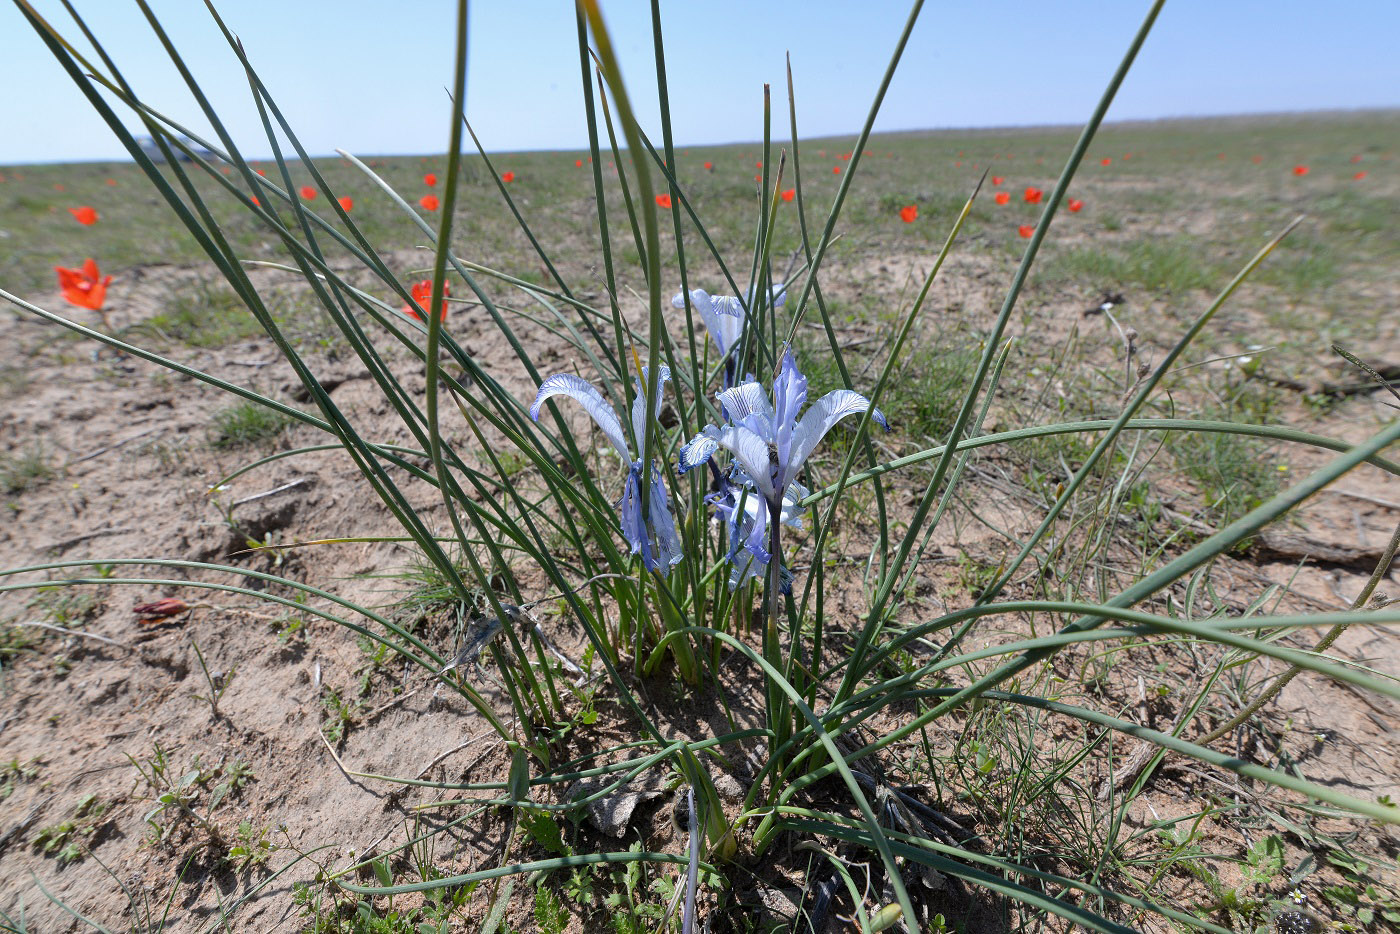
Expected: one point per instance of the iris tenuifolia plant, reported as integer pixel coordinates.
(717, 503)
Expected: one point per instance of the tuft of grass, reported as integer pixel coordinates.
(205, 315)
(1232, 472)
(1174, 265)
(24, 469)
(245, 425)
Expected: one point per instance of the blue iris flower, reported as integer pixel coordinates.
(656, 541)
(725, 317)
(769, 443)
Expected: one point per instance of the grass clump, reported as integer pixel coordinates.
(24, 469)
(1233, 473)
(246, 424)
(205, 315)
(1173, 265)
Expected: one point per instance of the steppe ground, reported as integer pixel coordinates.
(108, 456)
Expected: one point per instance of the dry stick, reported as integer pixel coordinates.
(272, 492)
(112, 447)
(1326, 641)
(86, 536)
(77, 632)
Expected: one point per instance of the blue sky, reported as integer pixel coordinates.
(370, 76)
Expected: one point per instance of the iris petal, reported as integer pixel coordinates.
(826, 412)
(581, 391)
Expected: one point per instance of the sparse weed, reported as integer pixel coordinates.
(246, 424)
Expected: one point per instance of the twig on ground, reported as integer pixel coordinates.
(112, 447)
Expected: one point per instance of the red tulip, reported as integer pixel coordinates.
(161, 609)
(758, 178)
(578, 163)
(663, 201)
(84, 215)
(60, 187)
(261, 172)
(429, 202)
(346, 203)
(308, 192)
(112, 182)
(1356, 158)
(789, 194)
(1105, 161)
(1358, 176)
(836, 170)
(958, 164)
(422, 293)
(1256, 159)
(709, 166)
(430, 179)
(1026, 230)
(1300, 170)
(1033, 195)
(256, 201)
(83, 287)
(1002, 197)
(1075, 205)
(508, 177)
(758, 165)
(908, 213)
(997, 179)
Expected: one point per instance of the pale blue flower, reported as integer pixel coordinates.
(746, 515)
(769, 443)
(657, 542)
(724, 317)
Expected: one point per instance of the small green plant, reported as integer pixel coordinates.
(66, 840)
(218, 681)
(252, 846)
(340, 713)
(177, 796)
(15, 773)
(245, 425)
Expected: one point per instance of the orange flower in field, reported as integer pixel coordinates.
(1026, 231)
(429, 202)
(112, 182)
(1075, 205)
(1033, 195)
(997, 179)
(1358, 176)
(958, 164)
(789, 194)
(422, 293)
(1256, 159)
(508, 177)
(256, 201)
(908, 213)
(758, 178)
(308, 192)
(1002, 197)
(261, 172)
(60, 187)
(1300, 170)
(1105, 161)
(663, 201)
(430, 179)
(836, 170)
(758, 165)
(709, 166)
(84, 215)
(1356, 158)
(578, 163)
(346, 203)
(83, 287)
